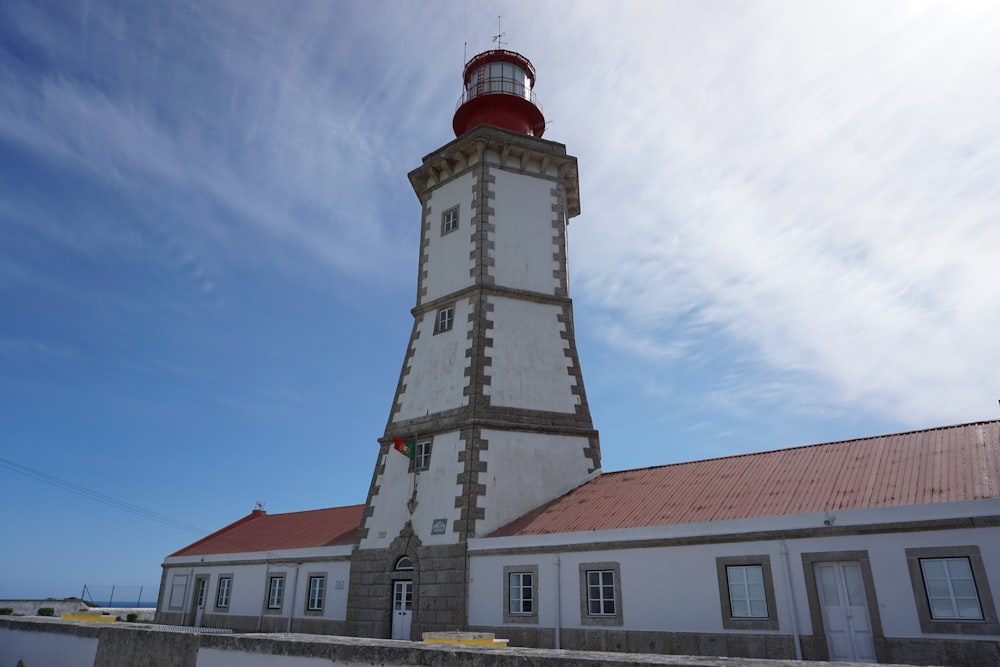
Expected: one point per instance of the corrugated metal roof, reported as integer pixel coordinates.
(260, 531)
(945, 464)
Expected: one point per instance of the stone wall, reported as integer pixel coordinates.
(34, 641)
(439, 588)
(31, 607)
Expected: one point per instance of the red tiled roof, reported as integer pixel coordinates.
(934, 466)
(259, 531)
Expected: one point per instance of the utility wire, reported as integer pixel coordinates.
(101, 497)
(122, 505)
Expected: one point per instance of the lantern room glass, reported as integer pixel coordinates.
(499, 77)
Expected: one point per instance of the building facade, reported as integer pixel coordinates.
(488, 509)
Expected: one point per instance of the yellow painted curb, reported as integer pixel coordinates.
(96, 618)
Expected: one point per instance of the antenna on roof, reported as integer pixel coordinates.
(498, 38)
(260, 505)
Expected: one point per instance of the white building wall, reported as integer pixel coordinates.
(449, 262)
(250, 581)
(437, 488)
(532, 468)
(676, 589)
(523, 233)
(437, 370)
(529, 366)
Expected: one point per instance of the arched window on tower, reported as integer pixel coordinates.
(404, 564)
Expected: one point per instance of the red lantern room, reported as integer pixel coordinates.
(498, 91)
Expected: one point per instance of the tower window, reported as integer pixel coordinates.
(445, 319)
(449, 221)
(422, 456)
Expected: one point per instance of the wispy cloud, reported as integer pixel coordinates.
(273, 117)
(811, 187)
(813, 183)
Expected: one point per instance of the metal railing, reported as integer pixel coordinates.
(498, 86)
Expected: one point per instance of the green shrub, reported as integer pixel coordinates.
(6, 611)
(46, 611)
(132, 618)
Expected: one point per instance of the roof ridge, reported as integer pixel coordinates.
(318, 509)
(796, 447)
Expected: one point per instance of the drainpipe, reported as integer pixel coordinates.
(791, 601)
(558, 604)
(295, 589)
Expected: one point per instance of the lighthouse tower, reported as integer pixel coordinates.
(490, 418)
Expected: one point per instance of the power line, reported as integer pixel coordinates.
(111, 501)
(100, 497)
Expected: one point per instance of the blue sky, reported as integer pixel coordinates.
(208, 243)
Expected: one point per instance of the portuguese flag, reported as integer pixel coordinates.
(405, 447)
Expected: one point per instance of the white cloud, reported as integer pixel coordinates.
(815, 183)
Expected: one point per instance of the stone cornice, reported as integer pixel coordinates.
(495, 418)
(490, 290)
(516, 152)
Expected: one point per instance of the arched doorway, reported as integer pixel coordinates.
(402, 598)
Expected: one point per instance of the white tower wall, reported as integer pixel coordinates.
(531, 367)
(523, 235)
(448, 261)
(436, 377)
(556, 464)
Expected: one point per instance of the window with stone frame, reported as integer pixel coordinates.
(449, 221)
(445, 320)
(275, 591)
(951, 590)
(520, 594)
(223, 592)
(422, 456)
(316, 593)
(600, 593)
(746, 593)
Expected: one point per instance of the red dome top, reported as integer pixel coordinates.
(498, 91)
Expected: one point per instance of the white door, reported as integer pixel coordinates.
(845, 611)
(200, 593)
(402, 603)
